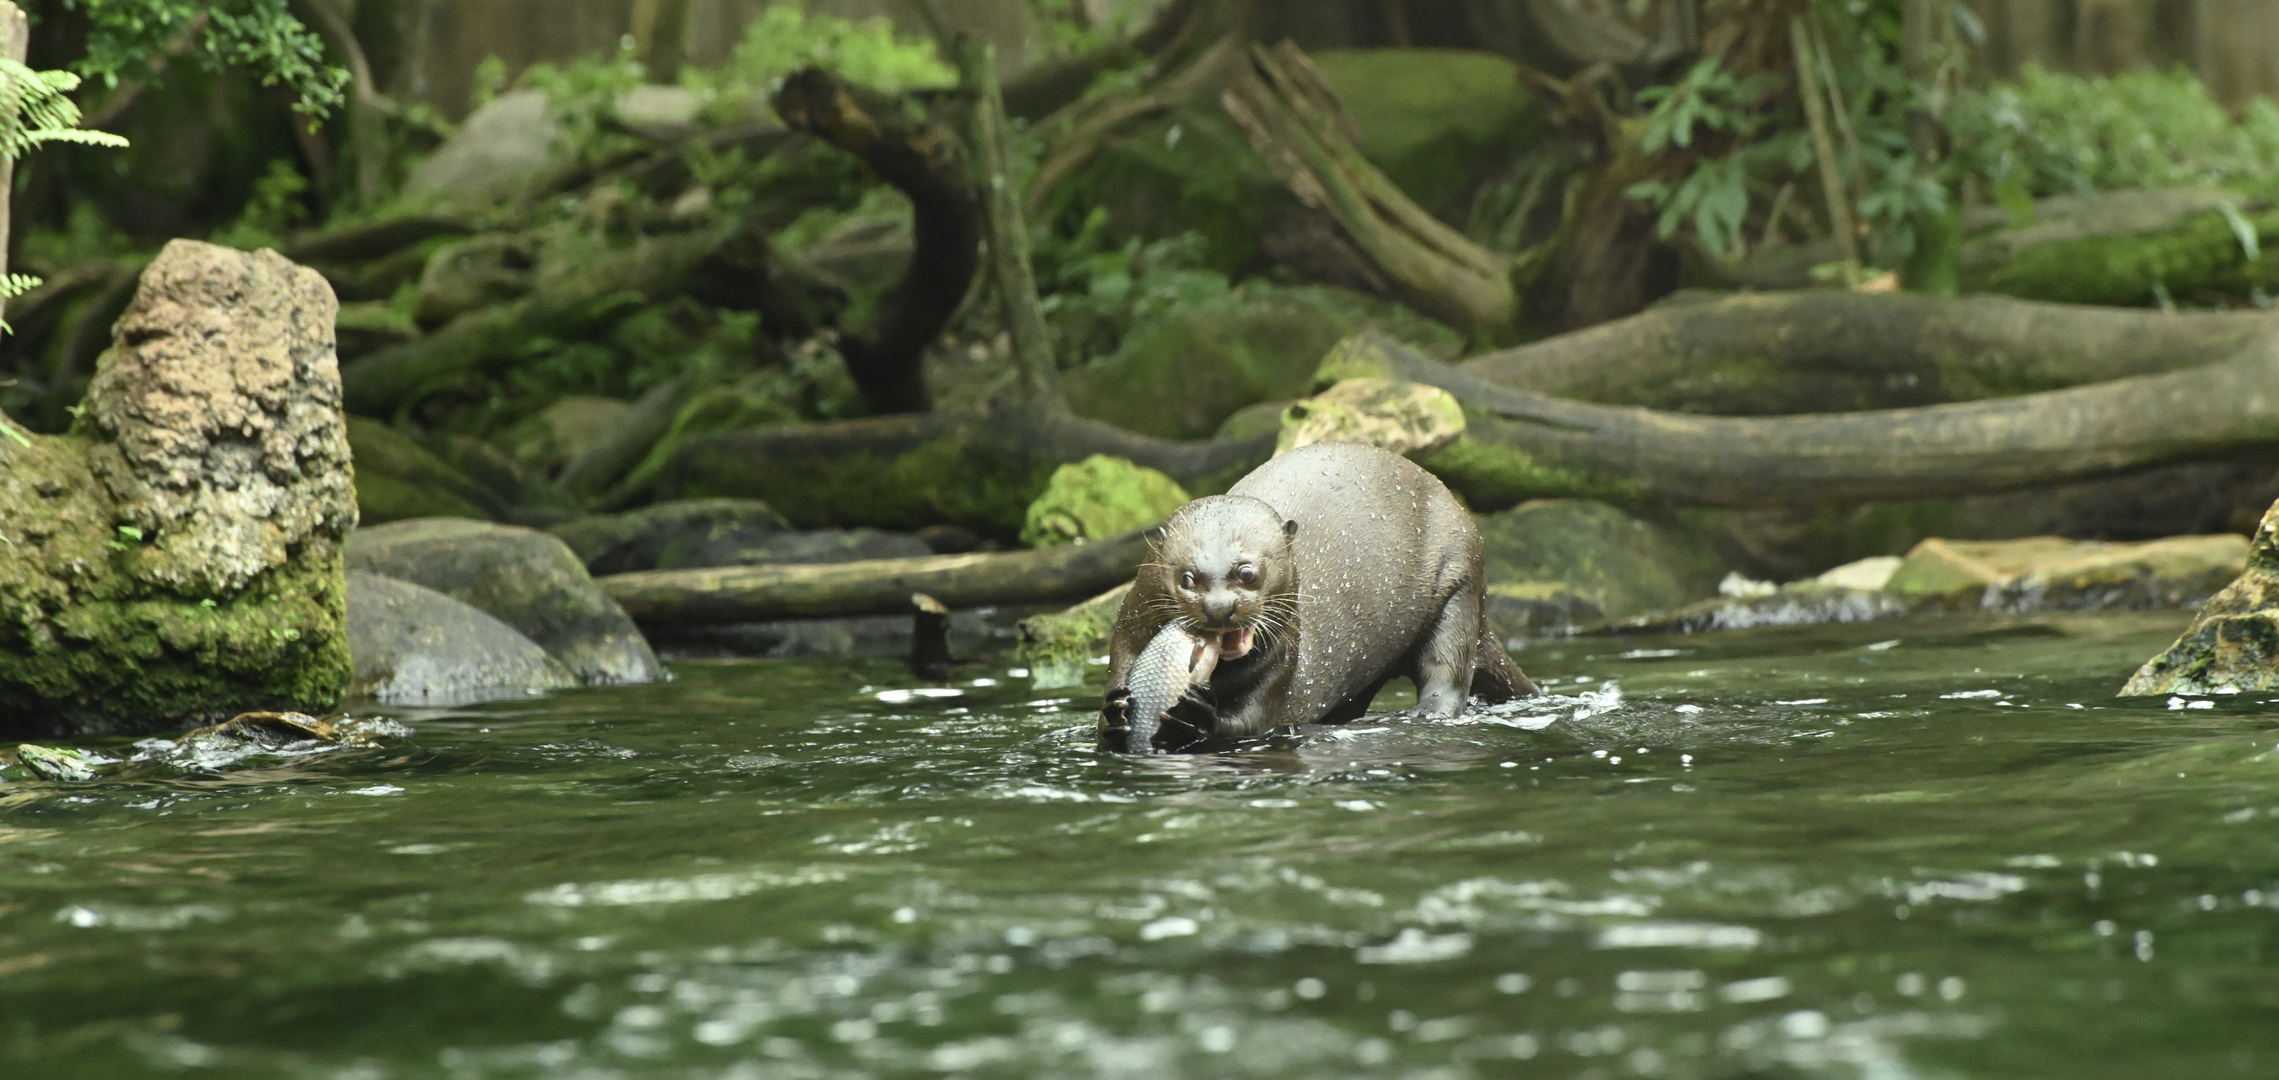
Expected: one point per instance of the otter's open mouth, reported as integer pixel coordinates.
(1210, 648)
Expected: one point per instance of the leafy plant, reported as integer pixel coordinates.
(35, 110)
(784, 39)
(126, 38)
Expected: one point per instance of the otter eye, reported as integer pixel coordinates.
(1247, 574)
(1187, 580)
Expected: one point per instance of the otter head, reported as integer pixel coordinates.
(1228, 569)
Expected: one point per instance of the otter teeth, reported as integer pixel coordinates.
(1235, 644)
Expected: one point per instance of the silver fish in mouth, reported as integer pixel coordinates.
(1175, 662)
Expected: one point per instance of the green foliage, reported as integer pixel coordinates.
(1096, 295)
(2051, 133)
(35, 110)
(582, 94)
(784, 39)
(128, 38)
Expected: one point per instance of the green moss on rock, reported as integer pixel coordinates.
(1100, 497)
(139, 589)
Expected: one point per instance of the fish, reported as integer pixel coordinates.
(1175, 662)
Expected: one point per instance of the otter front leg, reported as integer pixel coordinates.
(1443, 666)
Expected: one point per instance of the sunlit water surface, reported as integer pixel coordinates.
(1916, 849)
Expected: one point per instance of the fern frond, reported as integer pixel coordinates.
(15, 285)
(35, 108)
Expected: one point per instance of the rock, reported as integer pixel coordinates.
(814, 546)
(416, 646)
(660, 537)
(1059, 646)
(1407, 418)
(2047, 572)
(65, 765)
(176, 558)
(398, 479)
(1871, 574)
(1553, 563)
(531, 581)
(500, 151)
(1178, 378)
(1100, 497)
(1806, 603)
(661, 113)
(561, 432)
(2233, 645)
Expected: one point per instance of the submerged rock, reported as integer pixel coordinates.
(416, 646)
(1100, 497)
(1059, 646)
(527, 579)
(2233, 645)
(176, 558)
(1555, 563)
(2045, 573)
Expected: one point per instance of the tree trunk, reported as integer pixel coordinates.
(1522, 443)
(923, 161)
(733, 594)
(1837, 351)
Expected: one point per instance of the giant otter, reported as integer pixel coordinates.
(1292, 599)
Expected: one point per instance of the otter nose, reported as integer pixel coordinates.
(1219, 605)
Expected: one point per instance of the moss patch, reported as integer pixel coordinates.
(1493, 477)
(86, 648)
(1097, 498)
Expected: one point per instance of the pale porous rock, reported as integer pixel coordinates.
(176, 558)
(2045, 573)
(218, 414)
(1407, 418)
(2233, 645)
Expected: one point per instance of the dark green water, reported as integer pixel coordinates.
(1887, 851)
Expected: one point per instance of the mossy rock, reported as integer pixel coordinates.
(1180, 378)
(176, 558)
(1097, 498)
(1590, 558)
(529, 580)
(666, 535)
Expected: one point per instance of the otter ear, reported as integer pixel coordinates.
(1290, 527)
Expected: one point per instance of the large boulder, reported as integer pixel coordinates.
(176, 558)
(500, 151)
(2233, 646)
(416, 646)
(528, 579)
(1552, 563)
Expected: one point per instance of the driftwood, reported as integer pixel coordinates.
(1834, 350)
(979, 470)
(1522, 442)
(1295, 122)
(922, 159)
(874, 586)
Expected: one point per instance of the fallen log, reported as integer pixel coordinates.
(874, 586)
(979, 470)
(1833, 350)
(1522, 443)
